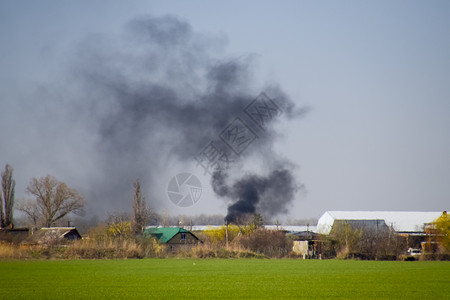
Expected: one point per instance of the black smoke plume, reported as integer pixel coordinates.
(268, 195)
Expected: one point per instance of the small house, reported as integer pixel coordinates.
(172, 235)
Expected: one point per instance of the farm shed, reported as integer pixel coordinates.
(409, 225)
(51, 235)
(306, 243)
(406, 222)
(172, 235)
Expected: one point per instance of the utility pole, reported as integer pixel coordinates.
(226, 232)
(346, 234)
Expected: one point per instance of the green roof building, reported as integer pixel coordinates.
(172, 235)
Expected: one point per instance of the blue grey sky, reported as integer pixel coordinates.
(376, 76)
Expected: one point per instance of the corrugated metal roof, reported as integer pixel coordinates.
(49, 234)
(205, 227)
(401, 221)
(291, 228)
(60, 231)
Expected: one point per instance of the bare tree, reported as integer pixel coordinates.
(141, 213)
(8, 185)
(258, 220)
(54, 200)
(31, 210)
(117, 217)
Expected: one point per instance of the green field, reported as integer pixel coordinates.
(224, 279)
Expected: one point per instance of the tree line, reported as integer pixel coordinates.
(52, 200)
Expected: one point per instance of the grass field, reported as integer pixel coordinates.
(224, 279)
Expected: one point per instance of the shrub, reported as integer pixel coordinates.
(271, 243)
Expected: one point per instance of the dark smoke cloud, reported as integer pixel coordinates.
(129, 105)
(160, 92)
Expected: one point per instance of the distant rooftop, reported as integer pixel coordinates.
(288, 228)
(401, 221)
